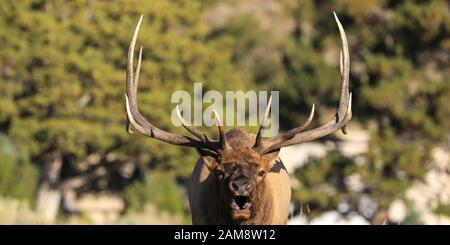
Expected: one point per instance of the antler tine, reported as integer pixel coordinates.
(135, 85)
(291, 133)
(264, 124)
(345, 72)
(222, 138)
(130, 74)
(138, 71)
(343, 114)
(219, 125)
(201, 136)
(132, 81)
(314, 133)
(344, 128)
(305, 124)
(135, 119)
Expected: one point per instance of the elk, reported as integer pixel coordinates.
(238, 178)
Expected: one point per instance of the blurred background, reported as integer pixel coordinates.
(65, 156)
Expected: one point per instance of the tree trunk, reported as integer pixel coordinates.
(49, 196)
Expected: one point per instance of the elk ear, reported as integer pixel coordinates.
(269, 159)
(209, 158)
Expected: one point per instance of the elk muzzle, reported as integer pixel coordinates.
(241, 191)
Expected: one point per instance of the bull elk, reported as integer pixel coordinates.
(238, 178)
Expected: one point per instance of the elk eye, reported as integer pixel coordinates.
(261, 173)
(234, 168)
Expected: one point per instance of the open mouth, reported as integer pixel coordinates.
(241, 203)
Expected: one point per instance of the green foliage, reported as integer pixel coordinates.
(323, 182)
(392, 165)
(443, 209)
(18, 178)
(63, 67)
(159, 189)
(412, 218)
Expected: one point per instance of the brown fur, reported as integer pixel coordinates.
(208, 198)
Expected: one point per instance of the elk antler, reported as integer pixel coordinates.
(339, 121)
(135, 119)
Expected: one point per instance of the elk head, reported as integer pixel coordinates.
(239, 161)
